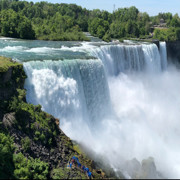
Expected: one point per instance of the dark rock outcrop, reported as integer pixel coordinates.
(156, 42)
(173, 52)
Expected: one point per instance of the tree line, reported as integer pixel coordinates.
(48, 21)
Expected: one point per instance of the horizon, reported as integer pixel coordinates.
(152, 7)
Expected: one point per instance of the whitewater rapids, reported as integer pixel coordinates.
(122, 105)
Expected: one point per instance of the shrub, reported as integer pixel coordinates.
(26, 143)
(6, 156)
(29, 169)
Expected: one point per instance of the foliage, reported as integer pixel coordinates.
(6, 156)
(21, 19)
(5, 63)
(64, 173)
(16, 165)
(65, 22)
(171, 34)
(26, 143)
(29, 168)
(31, 120)
(61, 173)
(15, 25)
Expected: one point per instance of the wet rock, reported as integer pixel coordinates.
(148, 170)
(133, 167)
(144, 170)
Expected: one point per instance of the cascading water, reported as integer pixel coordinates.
(163, 55)
(71, 90)
(144, 97)
(122, 105)
(128, 58)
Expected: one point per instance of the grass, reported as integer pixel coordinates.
(5, 63)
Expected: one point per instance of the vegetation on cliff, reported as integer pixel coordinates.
(32, 146)
(66, 22)
(5, 64)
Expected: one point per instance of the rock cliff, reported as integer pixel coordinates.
(32, 146)
(173, 52)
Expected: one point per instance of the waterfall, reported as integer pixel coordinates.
(145, 117)
(70, 89)
(163, 52)
(128, 58)
(80, 86)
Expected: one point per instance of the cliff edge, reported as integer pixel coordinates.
(32, 146)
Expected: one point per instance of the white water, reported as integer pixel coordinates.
(131, 113)
(74, 91)
(12, 48)
(120, 58)
(163, 55)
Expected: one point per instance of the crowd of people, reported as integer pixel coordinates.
(75, 162)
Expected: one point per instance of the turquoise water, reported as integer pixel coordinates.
(121, 99)
(26, 50)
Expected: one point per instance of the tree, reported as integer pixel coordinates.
(100, 31)
(25, 30)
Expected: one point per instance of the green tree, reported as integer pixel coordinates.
(25, 30)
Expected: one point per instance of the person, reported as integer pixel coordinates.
(89, 174)
(74, 157)
(73, 161)
(87, 170)
(77, 160)
(83, 168)
(79, 164)
(70, 165)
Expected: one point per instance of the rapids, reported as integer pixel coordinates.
(119, 100)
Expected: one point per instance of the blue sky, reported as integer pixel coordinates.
(152, 7)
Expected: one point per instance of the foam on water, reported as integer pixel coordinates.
(122, 105)
(69, 89)
(13, 48)
(84, 47)
(128, 58)
(42, 50)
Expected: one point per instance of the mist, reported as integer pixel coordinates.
(147, 107)
(145, 122)
(118, 109)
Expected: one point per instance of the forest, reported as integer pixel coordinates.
(67, 22)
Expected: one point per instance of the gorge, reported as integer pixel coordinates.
(119, 100)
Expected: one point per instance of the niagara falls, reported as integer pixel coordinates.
(89, 90)
(121, 101)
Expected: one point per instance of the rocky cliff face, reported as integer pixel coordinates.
(32, 135)
(173, 52)
(12, 77)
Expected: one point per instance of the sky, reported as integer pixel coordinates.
(152, 7)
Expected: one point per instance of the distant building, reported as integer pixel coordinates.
(162, 25)
(162, 21)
